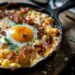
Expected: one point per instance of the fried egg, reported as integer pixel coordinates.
(22, 34)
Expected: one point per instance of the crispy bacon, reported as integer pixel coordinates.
(40, 33)
(22, 52)
(11, 17)
(3, 33)
(11, 55)
(49, 39)
(1, 14)
(24, 10)
(23, 49)
(57, 33)
(31, 22)
(39, 48)
(4, 46)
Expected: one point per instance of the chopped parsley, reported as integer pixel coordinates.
(11, 46)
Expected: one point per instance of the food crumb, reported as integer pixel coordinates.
(73, 52)
(49, 69)
(49, 65)
(44, 72)
(66, 59)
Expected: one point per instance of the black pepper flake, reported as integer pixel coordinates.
(25, 35)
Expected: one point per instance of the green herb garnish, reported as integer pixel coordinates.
(5, 39)
(11, 46)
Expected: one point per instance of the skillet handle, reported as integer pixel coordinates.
(69, 4)
(55, 12)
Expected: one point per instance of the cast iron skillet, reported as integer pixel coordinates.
(53, 13)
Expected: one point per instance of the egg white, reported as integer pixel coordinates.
(9, 37)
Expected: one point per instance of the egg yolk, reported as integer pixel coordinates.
(22, 33)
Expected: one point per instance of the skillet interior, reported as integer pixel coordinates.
(17, 5)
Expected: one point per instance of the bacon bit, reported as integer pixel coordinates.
(31, 22)
(6, 27)
(39, 48)
(49, 39)
(15, 53)
(33, 55)
(3, 33)
(57, 33)
(48, 46)
(11, 55)
(1, 15)
(17, 59)
(21, 56)
(41, 51)
(24, 56)
(25, 10)
(12, 12)
(24, 20)
(40, 33)
(30, 51)
(23, 49)
(11, 17)
(20, 19)
(4, 46)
